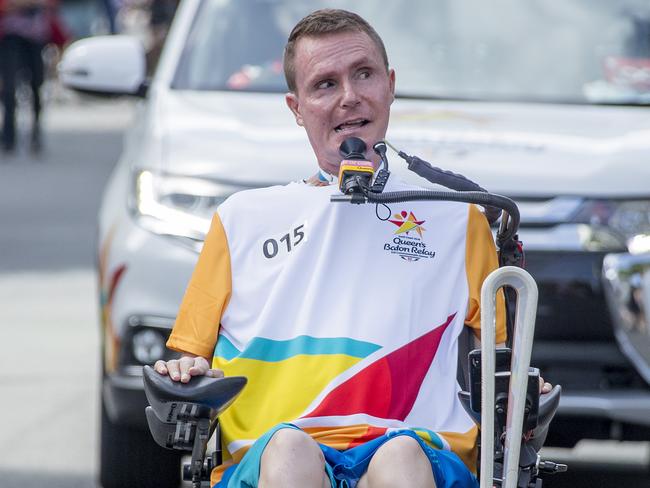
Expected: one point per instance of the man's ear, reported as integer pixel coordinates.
(391, 80)
(294, 106)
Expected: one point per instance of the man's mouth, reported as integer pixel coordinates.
(351, 125)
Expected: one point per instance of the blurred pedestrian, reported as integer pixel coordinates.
(26, 26)
(161, 15)
(111, 7)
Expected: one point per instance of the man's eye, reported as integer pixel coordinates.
(324, 84)
(364, 75)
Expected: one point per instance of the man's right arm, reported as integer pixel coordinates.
(187, 366)
(198, 318)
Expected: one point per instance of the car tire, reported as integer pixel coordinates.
(130, 457)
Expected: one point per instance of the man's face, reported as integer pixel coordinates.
(342, 90)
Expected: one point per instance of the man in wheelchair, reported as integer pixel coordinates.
(345, 321)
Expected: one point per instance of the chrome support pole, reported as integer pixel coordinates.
(505, 219)
(526, 289)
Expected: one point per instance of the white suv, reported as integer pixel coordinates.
(545, 102)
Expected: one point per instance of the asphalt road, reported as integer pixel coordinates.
(49, 368)
(48, 203)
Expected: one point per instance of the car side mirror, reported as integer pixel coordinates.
(105, 65)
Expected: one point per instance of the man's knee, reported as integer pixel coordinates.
(290, 453)
(400, 448)
(400, 458)
(292, 441)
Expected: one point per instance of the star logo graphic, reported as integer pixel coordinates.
(406, 222)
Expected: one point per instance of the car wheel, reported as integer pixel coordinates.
(130, 457)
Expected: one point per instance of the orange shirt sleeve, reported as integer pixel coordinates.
(206, 297)
(480, 260)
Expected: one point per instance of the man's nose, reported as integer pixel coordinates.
(350, 96)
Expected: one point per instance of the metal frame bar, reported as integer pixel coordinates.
(526, 289)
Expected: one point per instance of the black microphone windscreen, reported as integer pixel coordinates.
(353, 148)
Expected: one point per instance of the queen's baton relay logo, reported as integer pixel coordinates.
(408, 240)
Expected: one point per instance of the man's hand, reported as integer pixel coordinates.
(544, 387)
(187, 366)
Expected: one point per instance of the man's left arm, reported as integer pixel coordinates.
(480, 260)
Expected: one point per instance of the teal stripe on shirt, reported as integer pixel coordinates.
(273, 351)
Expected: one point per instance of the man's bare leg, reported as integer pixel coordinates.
(292, 459)
(399, 462)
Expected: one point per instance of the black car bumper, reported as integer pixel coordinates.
(124, 398)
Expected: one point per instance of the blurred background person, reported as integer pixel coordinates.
(625, 67)
(111, 8)
(26, 26)
(161, 15)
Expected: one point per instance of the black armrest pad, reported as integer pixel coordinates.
(167, 397)
(548, 403)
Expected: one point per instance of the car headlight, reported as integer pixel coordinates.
(144, 342)
(177, 205)
(611, 223)
(148, 346)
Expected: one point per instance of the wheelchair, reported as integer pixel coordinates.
(185, 416)
(499, 389)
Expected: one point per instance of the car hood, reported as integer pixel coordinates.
(508, 148)
(247, 138)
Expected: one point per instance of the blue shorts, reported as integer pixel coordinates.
(346, 467)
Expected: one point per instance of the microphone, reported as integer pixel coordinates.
(355, 171)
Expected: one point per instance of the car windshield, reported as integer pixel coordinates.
(576, 51)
